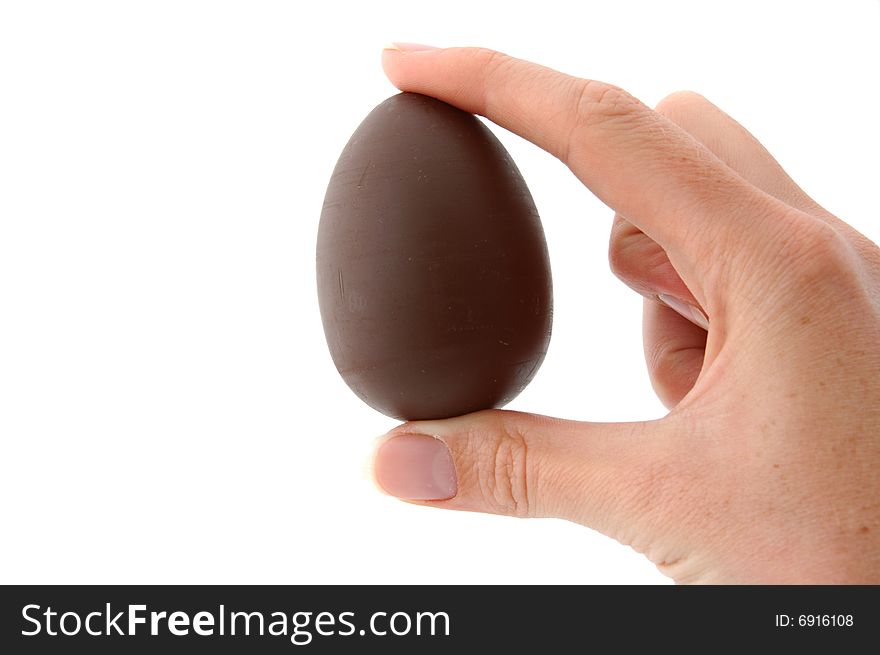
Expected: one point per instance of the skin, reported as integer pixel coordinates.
(767, 467)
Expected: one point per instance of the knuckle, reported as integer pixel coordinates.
(598, 105)
(666, 361)
(724, 251)
(640, 262)
(823, 244)
(598, 102)
(505, 471)
(620, 250)
(491, 62)
(489, 59)
(493, 65)
(673, 370)
(819, 257)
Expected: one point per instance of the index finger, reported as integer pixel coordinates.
(636, 161)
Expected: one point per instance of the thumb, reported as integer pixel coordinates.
(614, 477)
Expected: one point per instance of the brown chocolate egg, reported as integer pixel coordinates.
(433, 275)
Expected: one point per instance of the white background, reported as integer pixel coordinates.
(168, 408)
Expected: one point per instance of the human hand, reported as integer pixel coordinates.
(767, 467)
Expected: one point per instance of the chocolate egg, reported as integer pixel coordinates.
(433, 275)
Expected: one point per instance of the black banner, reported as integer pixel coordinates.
(339, 619)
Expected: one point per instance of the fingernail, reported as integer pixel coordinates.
(415, 467)
(409, 47)
(691, 312)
